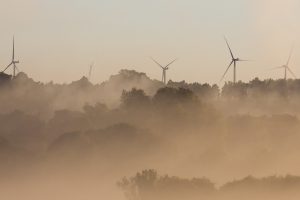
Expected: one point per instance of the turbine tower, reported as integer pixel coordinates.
(13, 61)
(286, 66)
(164, 70)
(233, 61)
(90, 71)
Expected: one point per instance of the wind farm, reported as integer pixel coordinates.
(233, 63)
(149, 100)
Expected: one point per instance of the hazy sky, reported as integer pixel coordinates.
(58, 39)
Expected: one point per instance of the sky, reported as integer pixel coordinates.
(57, 40)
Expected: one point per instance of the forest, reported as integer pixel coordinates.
(148, 184)
(83, 132)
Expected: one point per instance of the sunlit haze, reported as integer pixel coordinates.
(138, 99)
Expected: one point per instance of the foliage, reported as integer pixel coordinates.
(149, 185)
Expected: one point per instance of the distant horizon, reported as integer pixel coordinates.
(151, 78)
(67, 36)
(226, 79)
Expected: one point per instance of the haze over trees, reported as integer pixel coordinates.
(148, 184)
(131, 122)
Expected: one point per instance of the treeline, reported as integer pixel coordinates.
(43, 99)
(257, 89)
(149, 185)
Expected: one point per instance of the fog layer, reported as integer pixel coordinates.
(77, 140)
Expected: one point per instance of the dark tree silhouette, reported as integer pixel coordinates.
(135, 98)
(149, 185)
(170, 96)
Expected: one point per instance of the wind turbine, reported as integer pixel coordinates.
(286, 66)
(13, 61)
(90, 71)
(164, 69)
(233, 61)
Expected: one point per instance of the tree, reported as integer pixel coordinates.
(170, 96)
(136, 98)
(148, 185)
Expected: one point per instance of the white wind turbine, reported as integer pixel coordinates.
(164, 70)
(286, 66)
(233, 61)
(13, 61)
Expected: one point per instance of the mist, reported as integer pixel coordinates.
(78, 140)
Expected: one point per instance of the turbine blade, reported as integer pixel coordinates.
(229, 47)
(291, 72)
(90, 71)
(274, 68)
(226, 71)
(170, 63)
(7, 67)
(290, 55)
(242, 60)
(156, 62)
(13, 55)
